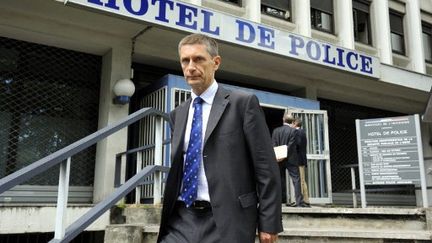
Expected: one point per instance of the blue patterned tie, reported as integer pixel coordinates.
(193, 156)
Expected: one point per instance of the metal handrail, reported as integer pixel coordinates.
(118, 159)
(88, 218)
(67, 152)
(57, 157)
(140, 149)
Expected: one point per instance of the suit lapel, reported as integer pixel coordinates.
(219, 104)
(180, 127)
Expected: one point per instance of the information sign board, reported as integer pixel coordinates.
(389, 151)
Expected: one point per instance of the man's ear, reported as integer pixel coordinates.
(217, 61)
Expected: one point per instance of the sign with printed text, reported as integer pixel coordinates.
(389, 151)
(191, 18)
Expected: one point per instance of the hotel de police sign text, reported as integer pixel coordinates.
(191, 18)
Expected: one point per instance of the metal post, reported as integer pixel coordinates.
(327, 157)
(157, 189)
(123, 159)
(123, 168)
(353, 187)
(360, 158)
(62, 198)
(139, 167)
(421, 161)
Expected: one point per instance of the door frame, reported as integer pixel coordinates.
(325, 155)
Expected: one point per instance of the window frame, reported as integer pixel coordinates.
(355, 20)
(238, 3)
(288, 9)
(316, 10)
(397, 32)
(427, 29)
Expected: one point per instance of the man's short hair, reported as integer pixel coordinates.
(210, 43)
(298, 122)
(288, 119)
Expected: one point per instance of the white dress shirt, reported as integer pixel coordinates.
(208, 97)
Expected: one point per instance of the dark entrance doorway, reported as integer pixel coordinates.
(273, 117)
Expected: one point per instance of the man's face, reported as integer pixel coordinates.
(198, 66)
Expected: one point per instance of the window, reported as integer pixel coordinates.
(49, 99)
(277, 8)
(322, 15)
(427, 41)
(237, 2)
(362, 29)
(396, 33)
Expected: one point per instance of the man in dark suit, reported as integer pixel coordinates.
(286, 135)
(302, 159)
(223, 184)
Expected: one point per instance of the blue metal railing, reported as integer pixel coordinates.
(63, 157)
(84, 221)
(118, 159)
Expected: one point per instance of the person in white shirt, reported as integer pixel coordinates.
(223, 185)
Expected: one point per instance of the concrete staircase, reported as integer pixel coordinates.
(316, 224)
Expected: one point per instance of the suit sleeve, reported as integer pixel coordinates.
(293, 144)
(274, 138)
(302, 148)
(265, 165)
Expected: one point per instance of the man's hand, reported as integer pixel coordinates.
(267, 237)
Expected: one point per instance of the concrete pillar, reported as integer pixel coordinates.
(253, 10)
(311, 93)
(301, 16)
(381, 21)
(116, 65)
(414, 34)
(344, 23)
(308, 92)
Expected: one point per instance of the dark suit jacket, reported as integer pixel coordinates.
(240, 166)
(301, 147)
(286, 135)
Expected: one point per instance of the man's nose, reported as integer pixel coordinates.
(191, 65)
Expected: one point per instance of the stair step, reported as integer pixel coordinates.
(355, 211)
(366, 234)
(315, 224)
(340, 233)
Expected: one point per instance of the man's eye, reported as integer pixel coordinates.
(199, 59)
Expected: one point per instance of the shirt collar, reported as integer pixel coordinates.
(208, 95)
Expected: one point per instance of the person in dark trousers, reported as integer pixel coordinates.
(223, 184)
(302, 159)
(286, 135)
